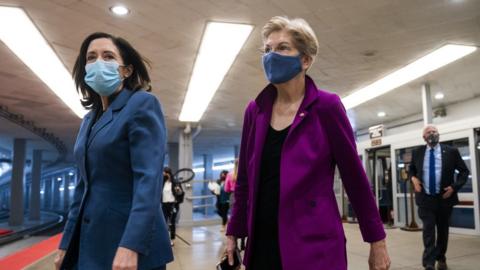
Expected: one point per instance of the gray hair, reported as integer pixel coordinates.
(302, 34)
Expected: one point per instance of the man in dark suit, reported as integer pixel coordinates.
(432, 172)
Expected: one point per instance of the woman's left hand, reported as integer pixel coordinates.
(379, 259)
(125, 259)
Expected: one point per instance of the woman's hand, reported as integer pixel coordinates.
(59, 258)
(230, 248)
(379, 259)
(125, 259)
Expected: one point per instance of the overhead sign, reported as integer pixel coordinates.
(376, 131)
(377, 142)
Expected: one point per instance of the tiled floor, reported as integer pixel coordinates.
(205, 245)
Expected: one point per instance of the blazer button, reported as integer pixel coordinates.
(86, 220)
(313, 203)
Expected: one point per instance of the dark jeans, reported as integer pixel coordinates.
(170, 211)
(222, 210)
(436, 215)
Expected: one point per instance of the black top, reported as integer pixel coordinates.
(266, 251)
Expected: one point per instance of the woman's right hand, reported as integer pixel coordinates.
(230, 248)
(59, 258)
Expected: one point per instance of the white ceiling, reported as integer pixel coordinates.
(168, 32)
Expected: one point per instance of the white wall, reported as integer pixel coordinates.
(463, 113)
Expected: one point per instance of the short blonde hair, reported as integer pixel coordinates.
(302, 34)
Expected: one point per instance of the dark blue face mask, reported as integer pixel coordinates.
(281, 68)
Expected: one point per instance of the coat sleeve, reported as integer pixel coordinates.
(72, 214)
(463, 171)
(147, 139)
(237, 226)
(343, 145)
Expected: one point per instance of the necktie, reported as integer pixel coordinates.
(431, 177)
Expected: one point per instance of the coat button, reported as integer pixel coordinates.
(313, 203)
(86, 220)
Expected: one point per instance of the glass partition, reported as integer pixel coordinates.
(462, 215)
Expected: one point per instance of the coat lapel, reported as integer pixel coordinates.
(444, 163)
(262, 123)
(81, 144)
(106, 118)
(311, 94)
(420, 162)
(108, 115)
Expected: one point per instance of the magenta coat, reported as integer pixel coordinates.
(310, 230)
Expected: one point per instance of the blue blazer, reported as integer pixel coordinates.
(117, 199)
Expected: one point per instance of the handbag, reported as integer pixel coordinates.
(237, 262)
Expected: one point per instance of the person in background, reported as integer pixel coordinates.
(231, 181)
(115, 220)
(173, 195)
(432, 172)
(223, 200)
(293, 137)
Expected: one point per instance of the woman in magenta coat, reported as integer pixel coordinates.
(294, 135)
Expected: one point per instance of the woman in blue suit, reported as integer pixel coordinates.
(115, 220)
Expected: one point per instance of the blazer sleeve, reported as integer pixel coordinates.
(147, 139)
(237, 226)
(72, 214)
(343, 145)
(463, 171)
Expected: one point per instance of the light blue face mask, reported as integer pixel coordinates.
(103, 77)
(281, 68)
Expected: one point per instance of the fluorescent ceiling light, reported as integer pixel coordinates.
(119, 10)
(439, 96)
(198, 170)
(381, 114)
(223, 167)
(432, 61)
(220, 45)
(21, 36)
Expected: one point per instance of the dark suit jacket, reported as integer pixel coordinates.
(451, 161)
(117, 200)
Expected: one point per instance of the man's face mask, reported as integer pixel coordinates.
(432, 139)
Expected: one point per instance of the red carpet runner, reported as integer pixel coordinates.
(27, 256)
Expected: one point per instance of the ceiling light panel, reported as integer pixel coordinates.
(21, 36)
(220, 45)
(432, 61)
